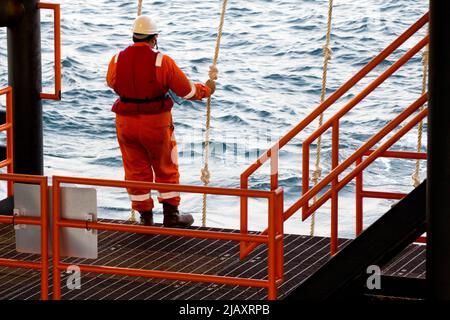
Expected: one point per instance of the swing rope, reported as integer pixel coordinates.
(416, 175)
(326, 58)
(139, 12)
(205, 173)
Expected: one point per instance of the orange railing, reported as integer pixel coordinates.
(273, 239)
(42, 221)
(8, 127)
(57, 44)
(333, 123)
(361, 193)
(333, 177)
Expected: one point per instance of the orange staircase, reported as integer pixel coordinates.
(332, 180)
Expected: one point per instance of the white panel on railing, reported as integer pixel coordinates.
(76, 204)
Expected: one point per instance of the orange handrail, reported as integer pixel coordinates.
(272, 153)
(358, 153)
(334, 120)
(332, 177)
(273, 239)
(8, 127)
(57, 54)
(338, 94)
(401, 155)
(359, 168)
(370, 88)
(43, 265)
(333, 123)
(361, 193)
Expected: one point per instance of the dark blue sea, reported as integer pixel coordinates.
(270, 70)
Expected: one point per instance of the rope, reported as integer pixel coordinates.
(326, 58)
(416, 175)
(139, 12)
(133, 216)
(205, 174)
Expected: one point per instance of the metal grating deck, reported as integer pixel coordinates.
(303, 256)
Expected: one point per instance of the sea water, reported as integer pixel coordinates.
(270, 78)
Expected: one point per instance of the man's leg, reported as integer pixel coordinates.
(165, 165)
(166, 171)
(137, 165)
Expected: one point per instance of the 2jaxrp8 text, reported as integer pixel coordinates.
(229, 310)
(245, 309)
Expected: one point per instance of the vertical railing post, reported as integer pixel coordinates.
(55, 7)
(56, 241)
(274, 168)
(305, 175)
(359, 200)
(44, 239)
(272, 249)
(9, 138)
(243, 217)
(280, 233)
(334, 183)
(278, 209)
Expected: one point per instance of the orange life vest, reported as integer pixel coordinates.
(139, 91)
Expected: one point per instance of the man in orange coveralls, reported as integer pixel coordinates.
(142, 76)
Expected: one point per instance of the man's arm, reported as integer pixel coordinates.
(112, 69)
(171, 76)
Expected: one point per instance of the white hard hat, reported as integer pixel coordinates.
(145, 25)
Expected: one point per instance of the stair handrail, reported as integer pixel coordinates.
(356, 156)
(309, 194)
(334, 120)
(334, 97)
(273, 153)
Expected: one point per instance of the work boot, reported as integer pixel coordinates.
(146, 218)
(173, 218)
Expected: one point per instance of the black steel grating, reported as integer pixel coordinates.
(303, 256)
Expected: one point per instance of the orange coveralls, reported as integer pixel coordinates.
(147, 141)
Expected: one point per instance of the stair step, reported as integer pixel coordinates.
(345, 274)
